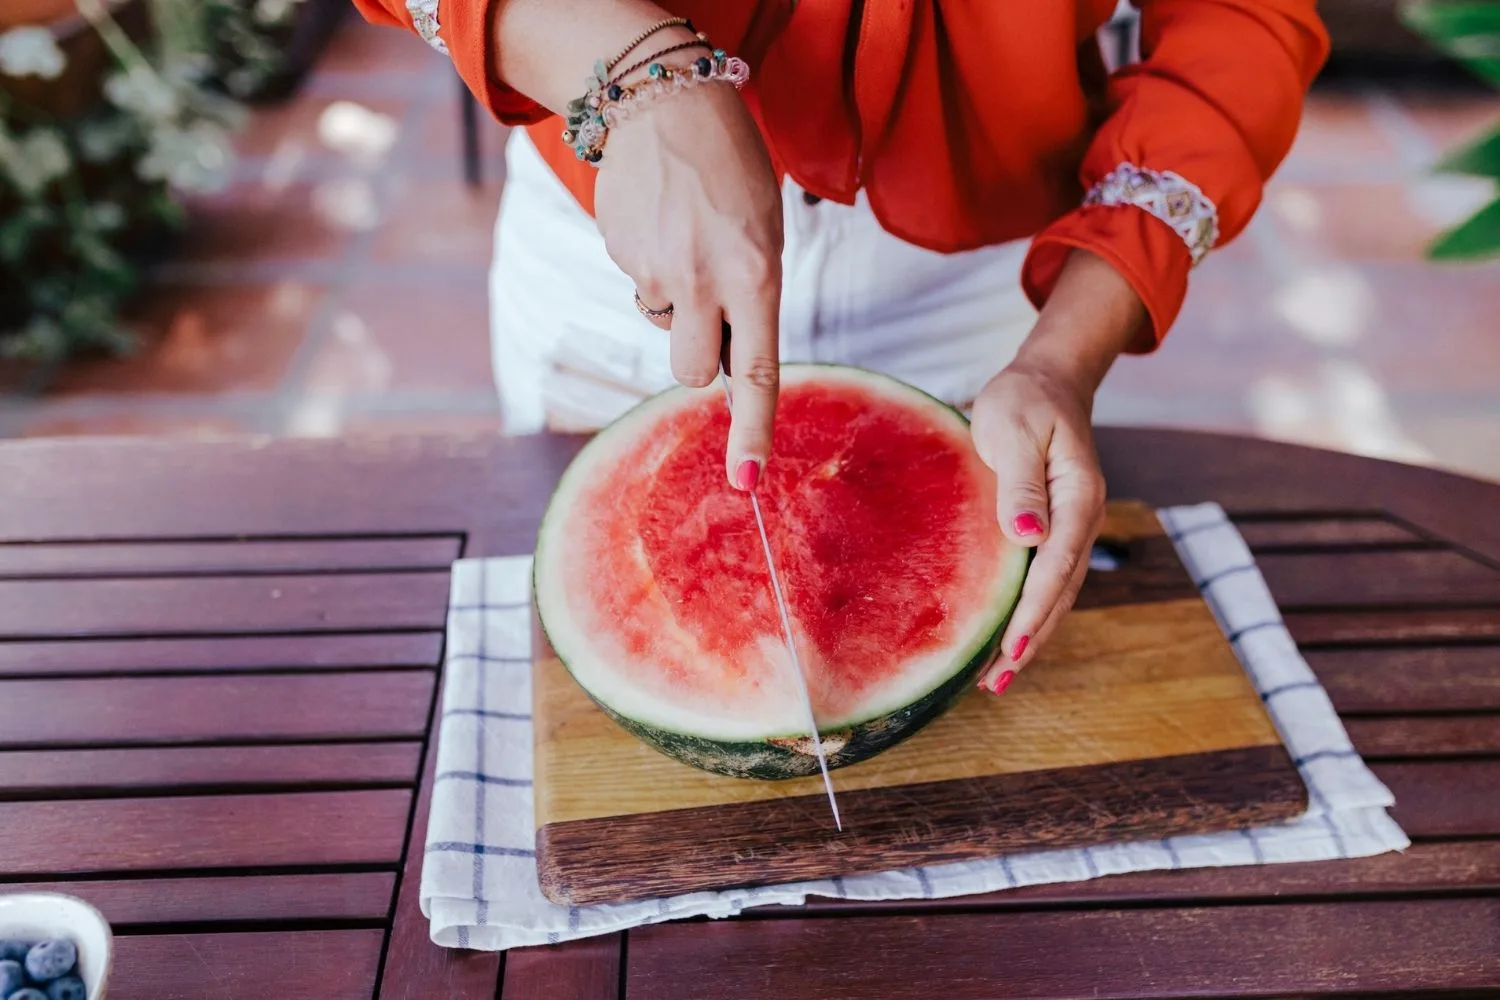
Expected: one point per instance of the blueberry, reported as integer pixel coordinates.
(12, 977)
(67, 988)
(51, 959)
(27, 994)
(12, 950)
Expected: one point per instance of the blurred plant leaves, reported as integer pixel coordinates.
(1480, 158)
(1468, 31)
(1478, 238)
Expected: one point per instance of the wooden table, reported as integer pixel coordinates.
(219, 663)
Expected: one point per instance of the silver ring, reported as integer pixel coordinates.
(650, 313)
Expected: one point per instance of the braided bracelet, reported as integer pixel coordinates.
(662, 25)
(606, 104)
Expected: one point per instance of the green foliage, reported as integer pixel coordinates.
(86, 199)
(246, 41)
(1469, 32)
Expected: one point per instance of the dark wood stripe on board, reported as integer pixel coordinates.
(791, 839)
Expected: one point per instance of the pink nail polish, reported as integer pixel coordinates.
(1020, 650)
(747, 475)
(1003, 681)
(1028, 524)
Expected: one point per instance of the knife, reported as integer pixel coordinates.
(786, 629)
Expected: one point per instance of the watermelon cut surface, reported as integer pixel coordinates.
(652, 587)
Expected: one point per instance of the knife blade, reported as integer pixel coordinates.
(786, 629)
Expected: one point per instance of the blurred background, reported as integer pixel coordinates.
(266, 216)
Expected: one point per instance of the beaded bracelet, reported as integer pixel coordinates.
(608, 103)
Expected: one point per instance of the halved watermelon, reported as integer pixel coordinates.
(651, 581)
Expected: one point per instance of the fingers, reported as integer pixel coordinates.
(1061, 561)
(696, 334)
(1019, 459)
(754, 360)
(655, 307)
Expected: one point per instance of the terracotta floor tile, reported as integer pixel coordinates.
(1469, 444)
(1435, 328)
(1451, 119)
(439, 222)
(439, 133)
(1353, 221)
(362, 131)
(385, 424)
(410, 336)
(361, 47)
(1336, 128)
(206, 339)
(127, 423)
(256, 222)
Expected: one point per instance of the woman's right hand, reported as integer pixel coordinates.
(689, 207)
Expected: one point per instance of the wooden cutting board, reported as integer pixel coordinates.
(1136, 721)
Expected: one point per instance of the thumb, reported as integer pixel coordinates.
(1020, 464)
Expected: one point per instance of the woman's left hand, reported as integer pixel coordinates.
(1032, 424)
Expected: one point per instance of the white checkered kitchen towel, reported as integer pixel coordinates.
(479, 879)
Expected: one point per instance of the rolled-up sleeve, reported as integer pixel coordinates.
(1193, 132)
(464, 31)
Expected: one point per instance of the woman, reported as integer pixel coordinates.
(953, 192)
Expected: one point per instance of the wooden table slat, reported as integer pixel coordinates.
(209, 831)
(1449, 866)
(578, 970)
(134, 768)
(223, 898)
(223, 605)
(1261, 950)
(1410, 679)
(326, 965)
(1376, 579)
(1445, 798)
(415, 969)
(1394, 625)
(204, 655)
(1426, 737)
(226, 557)
(1322, 533)
(220, 708)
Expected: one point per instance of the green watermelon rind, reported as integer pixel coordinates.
(766, 758)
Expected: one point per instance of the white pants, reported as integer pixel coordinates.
(571, 353)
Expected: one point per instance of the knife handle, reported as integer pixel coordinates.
(724, 349)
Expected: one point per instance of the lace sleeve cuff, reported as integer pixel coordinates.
(1172, 199)
(424, 18)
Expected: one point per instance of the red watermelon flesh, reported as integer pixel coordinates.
(652, 583)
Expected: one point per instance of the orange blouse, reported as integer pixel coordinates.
(974, 122)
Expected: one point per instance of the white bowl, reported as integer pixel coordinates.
(36, 916)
